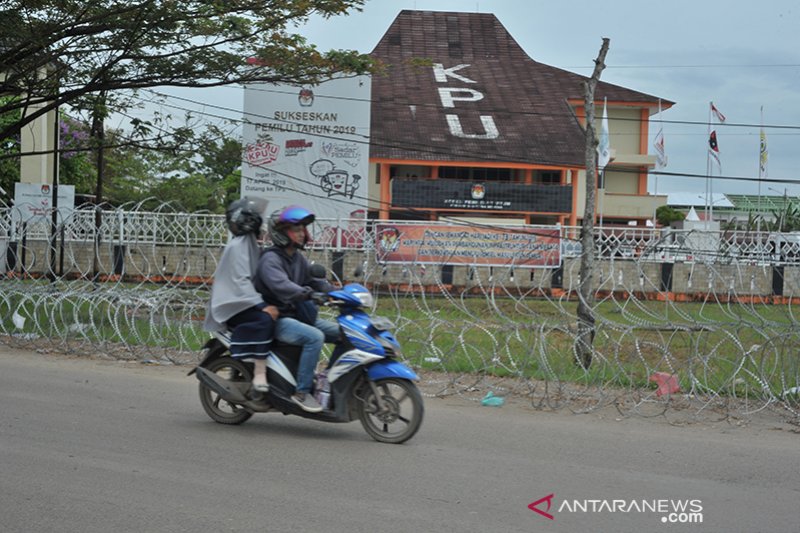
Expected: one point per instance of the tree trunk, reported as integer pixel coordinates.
(586, 318)
(98, 134)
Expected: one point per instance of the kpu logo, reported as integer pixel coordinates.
(306, 97)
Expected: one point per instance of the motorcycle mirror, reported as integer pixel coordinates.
(359, 271)
(317, 271)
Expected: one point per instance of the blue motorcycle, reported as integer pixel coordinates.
(363, 378)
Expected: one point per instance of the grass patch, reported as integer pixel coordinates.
(729, 349)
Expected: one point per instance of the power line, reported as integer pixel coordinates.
(775, 65)
(426, 149)
(421, 147)
(523, 113)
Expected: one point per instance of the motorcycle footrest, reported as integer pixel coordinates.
(227, 390)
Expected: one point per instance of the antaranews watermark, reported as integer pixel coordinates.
(672, 511)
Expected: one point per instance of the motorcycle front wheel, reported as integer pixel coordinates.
(401, 415)
(215, 406)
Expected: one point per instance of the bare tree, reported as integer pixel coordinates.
(586, 318)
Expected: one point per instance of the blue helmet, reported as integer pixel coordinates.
(289, 216)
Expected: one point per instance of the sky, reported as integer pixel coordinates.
(741, 55)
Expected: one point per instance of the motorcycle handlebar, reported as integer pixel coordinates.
(319, 298)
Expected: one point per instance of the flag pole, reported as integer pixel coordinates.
(760, 169)
(708, 170)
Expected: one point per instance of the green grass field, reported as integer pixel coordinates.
(725, 348)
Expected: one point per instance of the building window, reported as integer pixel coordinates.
(476, 174)
(547, 177)
(492, 174)
(454, 173)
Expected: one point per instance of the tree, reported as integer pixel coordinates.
(666, 215)
(191, 193)
(219, 157)
(55, 52)
(787, 218)
(75, 165)
(129, 170)
(9, 155)
(585, 312)
(197, 172)
(75, 168)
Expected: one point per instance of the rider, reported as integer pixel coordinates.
(235, 304)
(284, 279)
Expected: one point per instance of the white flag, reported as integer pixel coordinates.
(658, 144)
(603, 147)
(716, 113)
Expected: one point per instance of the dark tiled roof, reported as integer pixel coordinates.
(527, 100)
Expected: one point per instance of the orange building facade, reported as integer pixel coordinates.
(465, 125)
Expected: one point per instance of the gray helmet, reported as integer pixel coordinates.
(245, 215)
(279, 220)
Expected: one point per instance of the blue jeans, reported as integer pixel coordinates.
(311, 338)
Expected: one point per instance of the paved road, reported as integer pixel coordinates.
(90, 446)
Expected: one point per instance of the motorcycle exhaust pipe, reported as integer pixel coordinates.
(227, 390)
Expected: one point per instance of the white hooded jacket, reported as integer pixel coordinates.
(233, 290)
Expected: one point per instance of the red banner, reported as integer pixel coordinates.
(464, 245)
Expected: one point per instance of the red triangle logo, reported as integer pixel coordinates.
(549, 500)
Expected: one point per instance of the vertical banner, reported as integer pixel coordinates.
(309, 146)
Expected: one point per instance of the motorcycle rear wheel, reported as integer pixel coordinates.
(402, 416)
(215, 406)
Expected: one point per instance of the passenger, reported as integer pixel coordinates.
(235, 303)
(285, 280)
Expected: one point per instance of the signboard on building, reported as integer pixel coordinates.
(465, 195)
(33, 203)
(464, 245)
(309, 146)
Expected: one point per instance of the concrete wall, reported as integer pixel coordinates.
(622, 275)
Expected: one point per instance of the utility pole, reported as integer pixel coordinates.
(785, 208)
(51, 272)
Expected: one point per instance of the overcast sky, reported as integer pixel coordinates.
(742, 55)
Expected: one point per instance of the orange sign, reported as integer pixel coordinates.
(465, 245)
